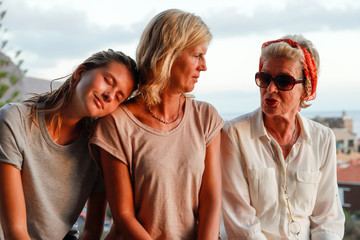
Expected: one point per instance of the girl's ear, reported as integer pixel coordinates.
(79, 73)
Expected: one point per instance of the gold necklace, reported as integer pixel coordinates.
(163, 121)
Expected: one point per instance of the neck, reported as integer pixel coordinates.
(284, 130)
(64, 132)
(169, 110)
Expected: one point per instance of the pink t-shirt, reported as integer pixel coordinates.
(166, 168)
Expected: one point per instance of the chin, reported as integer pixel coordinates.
(94, 112)
(189, 89)
(270, 111)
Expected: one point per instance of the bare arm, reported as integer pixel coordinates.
(12, 203)
(210, 193)
(95, 216)
(120, 196)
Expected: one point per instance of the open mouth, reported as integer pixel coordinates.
(271, 101)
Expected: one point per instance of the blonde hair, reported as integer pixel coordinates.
(53, 102)
(284, 50)
(162, 41)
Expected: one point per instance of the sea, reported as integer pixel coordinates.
(355, 116)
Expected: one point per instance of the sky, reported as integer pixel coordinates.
(55, 36)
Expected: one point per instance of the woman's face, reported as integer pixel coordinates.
(101, 90)
(186, 68)
(275, 102)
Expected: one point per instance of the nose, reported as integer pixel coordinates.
(202, 65)
(272, 87)
(108, 96)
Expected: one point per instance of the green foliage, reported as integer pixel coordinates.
(352, 225)
(1, 104)
(15, 94)
(17, 53)
(20, 63)
(14, 79)
(9, 70)
(347, 213)
(3, 44)
(3, 62)
(2, 14)
(3, 74)
(3, 88)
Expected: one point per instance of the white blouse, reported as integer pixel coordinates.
(268, 197)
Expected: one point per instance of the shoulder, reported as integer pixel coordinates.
(314, 128)
(240, 122)
(13, 111)
(202, 107)
(115, 115)
(115, 121)
(204, 111)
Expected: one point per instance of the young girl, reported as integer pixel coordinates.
(46, 172)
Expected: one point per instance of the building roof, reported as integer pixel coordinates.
(349, 171)
(343, 133)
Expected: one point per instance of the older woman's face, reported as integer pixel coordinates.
(275, 102)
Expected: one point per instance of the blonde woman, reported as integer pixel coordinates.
(160, 152)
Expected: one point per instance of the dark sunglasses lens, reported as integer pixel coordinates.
(285, 82)
(262, 79)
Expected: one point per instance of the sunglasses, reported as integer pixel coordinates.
(282, 82)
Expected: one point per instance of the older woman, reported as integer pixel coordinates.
(279, 168)
(160, 152)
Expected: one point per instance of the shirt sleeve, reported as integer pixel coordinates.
(10, 145)
(239, 216)
(213, 123)
(327, 219)
(106, 137)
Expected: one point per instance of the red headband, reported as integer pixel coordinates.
(308, 64)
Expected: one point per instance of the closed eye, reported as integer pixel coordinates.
(108, 80)
(120, 97)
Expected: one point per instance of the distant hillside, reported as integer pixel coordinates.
(32, 85)
(14, 87)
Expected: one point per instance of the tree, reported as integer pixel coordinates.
(11, 73)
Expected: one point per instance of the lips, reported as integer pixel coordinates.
(99, 103)
(271, 101)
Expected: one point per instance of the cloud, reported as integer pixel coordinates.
(294, 17)
(55, 32)
(60, 32)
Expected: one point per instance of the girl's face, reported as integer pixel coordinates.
(101, 90)
(186, 69)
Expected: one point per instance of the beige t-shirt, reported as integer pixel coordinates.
(166, 168)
